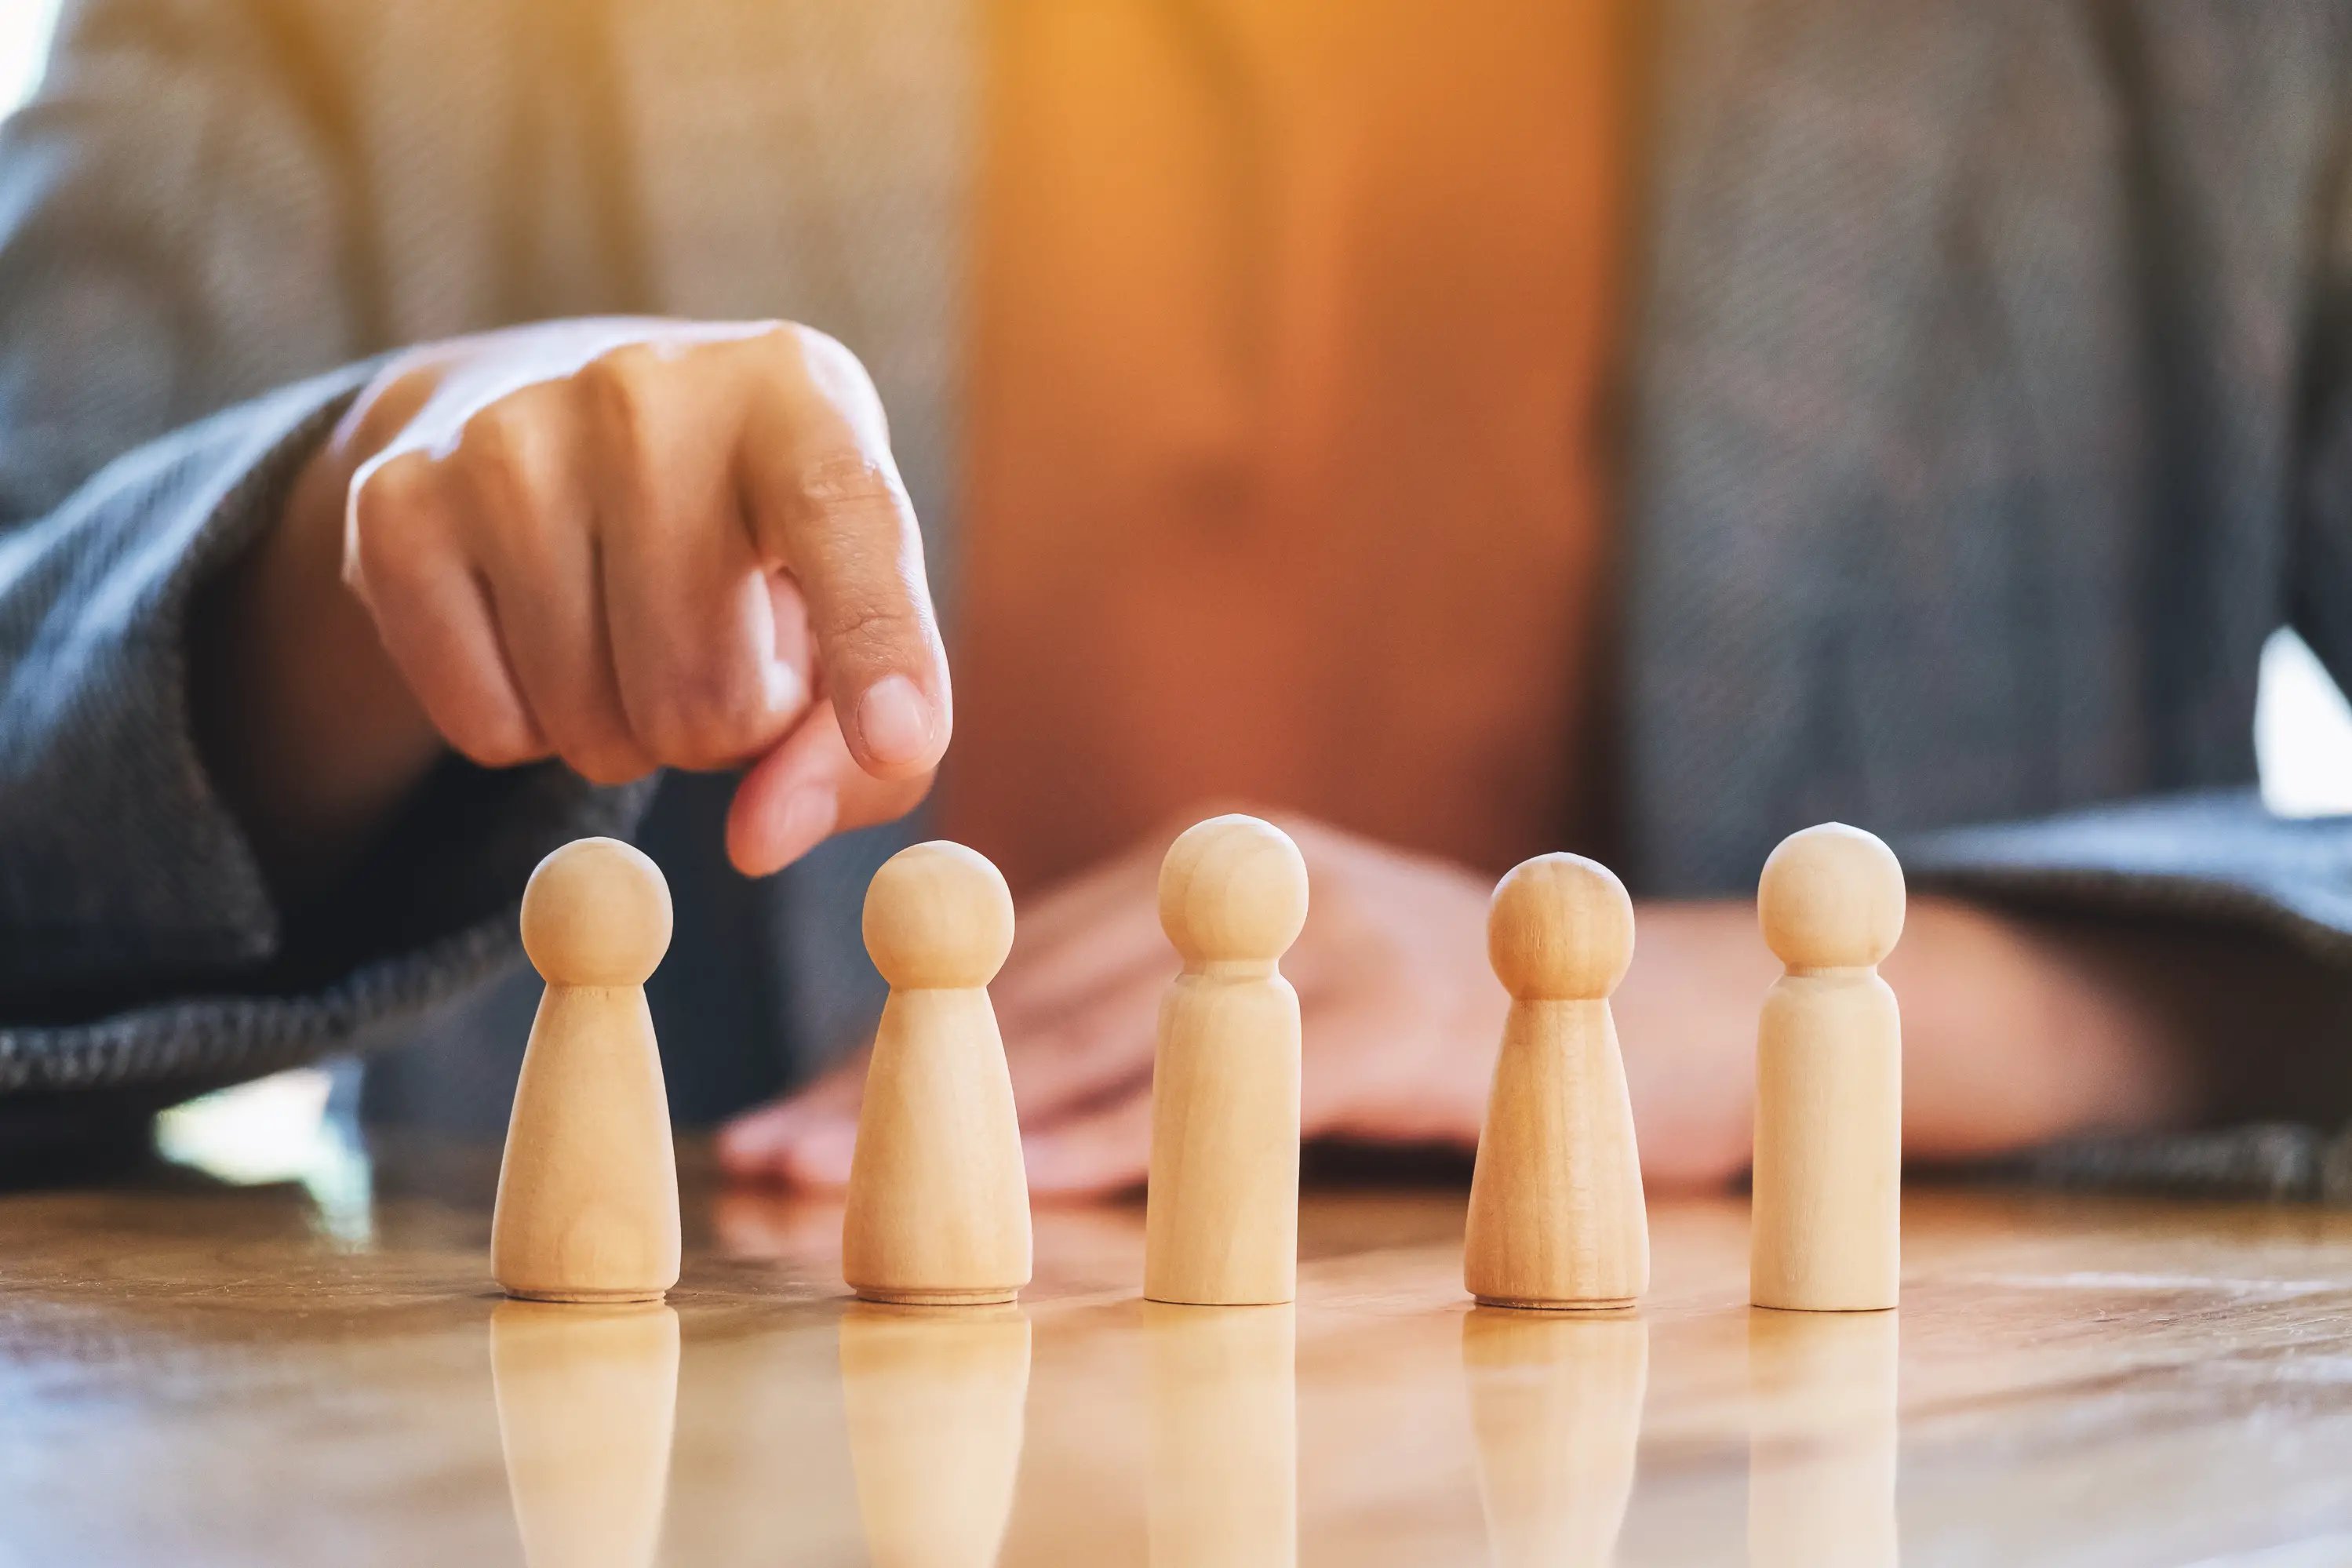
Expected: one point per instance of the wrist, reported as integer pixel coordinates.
(308, 731)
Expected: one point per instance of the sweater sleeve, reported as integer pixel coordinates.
(179, 279)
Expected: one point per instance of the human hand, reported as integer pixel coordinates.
(1401, 1016)
(625, 544)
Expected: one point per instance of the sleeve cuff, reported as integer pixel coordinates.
(2214, 855)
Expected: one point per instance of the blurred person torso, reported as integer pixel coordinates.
(1286, 465)
(1979, 364)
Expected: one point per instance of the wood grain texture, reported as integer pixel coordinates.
(937, 1212)
(1221, 1202)
(2069, 1382)
(1827, 1182)
(1557, 1219)
(587, 1206)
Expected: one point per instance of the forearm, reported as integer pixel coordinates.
(2017, 1029)
(2023, 1029)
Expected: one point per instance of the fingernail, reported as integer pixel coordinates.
(894, 721)
(807, 817)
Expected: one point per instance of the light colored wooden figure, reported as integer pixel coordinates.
(1821, 1454)
(938, 1209)
(1557, 1219)
(935, 1404)
(1826, 1229)
(1556, 1411)
(586, 1399)
(1223, 1448)
(1220, 1213)
(587, 1205)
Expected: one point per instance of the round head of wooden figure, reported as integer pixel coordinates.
(1232, 891)
(1560, 929)
(1831, 898)
(939, 917)
(596, 914)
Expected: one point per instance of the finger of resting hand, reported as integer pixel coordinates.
(1086, 1053)
(1046, 979)
(828, 504)
(758, 1145)
(1105, 1151)
(1076, 904)
(1370, 1077)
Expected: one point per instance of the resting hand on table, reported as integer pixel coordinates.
(1401, 1017)
(2014, 1035)
(626, 544)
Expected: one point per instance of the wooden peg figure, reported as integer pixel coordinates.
(1221, 1212)
(1557, 1218)
(939, 1202)
(587, 1205)
(1825, 1235)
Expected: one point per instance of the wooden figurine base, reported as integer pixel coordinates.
(940, 1298)
(1624, 1304)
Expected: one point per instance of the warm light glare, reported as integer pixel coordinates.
(25, 27)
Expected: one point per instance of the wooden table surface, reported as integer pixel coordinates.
(194, 1374)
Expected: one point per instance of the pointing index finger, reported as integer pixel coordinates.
(827, 503)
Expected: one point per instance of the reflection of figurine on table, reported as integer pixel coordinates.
(1822, 1439)
(935, 1399)
(1223, 1436)
(1556, 1411)
(586, 1397)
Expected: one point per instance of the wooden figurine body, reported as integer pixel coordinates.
(1826, 1229)
(587, 1203)
(1557, 1219)
(937, 1208)
(1220, 1213)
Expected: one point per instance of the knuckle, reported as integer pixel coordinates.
(498, 435)
(622, 388)
(822, 362)
(710, 715)
(394, 490)
(850, 482)
(503, 455)
(392, 537)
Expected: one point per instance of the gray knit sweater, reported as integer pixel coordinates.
(1988, 405)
